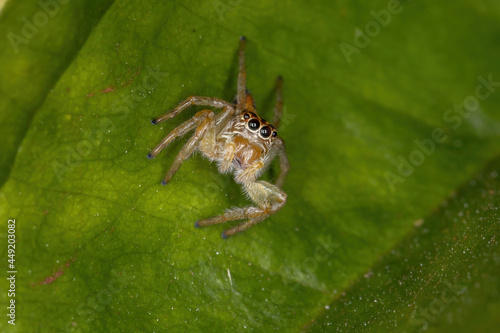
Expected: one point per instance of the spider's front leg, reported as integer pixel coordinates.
(241, 95)
(193, 143)
(227, 160)
(206, 128)
(181, 130)
(250, 174)
(204, 138)
(268, 197)
(192, 100)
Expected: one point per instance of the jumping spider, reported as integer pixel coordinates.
(240, 142)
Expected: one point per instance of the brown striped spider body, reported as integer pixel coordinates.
(240, 142)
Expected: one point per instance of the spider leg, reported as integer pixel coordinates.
(223, 117)
(192, 100)
(250, 174)
(278, 107)
(269, 198)
(193, 143)
(242, 75)
(229, 151)
(244, 226)
(180, 131)
(233, 215)
(284, 164)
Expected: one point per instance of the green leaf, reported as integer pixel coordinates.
(443, 277)
(102, 246)
(33, 56)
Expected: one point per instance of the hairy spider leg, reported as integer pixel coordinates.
(227, 160)
(268, 197)
(179, 131)
(250, 173)
(192, 100)
(206, 123)
(242, 75)
(208, 144)
(227, 111)
(244, 226)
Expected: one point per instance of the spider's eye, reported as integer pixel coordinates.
(265, 131)
(246, 116)
(254, 124)
(275, 134)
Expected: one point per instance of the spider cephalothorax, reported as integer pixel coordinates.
(240, 142)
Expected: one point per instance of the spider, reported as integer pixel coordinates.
(240, 142)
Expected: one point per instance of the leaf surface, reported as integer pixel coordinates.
(103, 246)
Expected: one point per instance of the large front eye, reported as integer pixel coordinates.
(265, 132)
(254, 124)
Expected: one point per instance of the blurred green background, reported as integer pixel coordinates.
(392, 128)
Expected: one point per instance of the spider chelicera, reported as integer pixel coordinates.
(240, 142)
